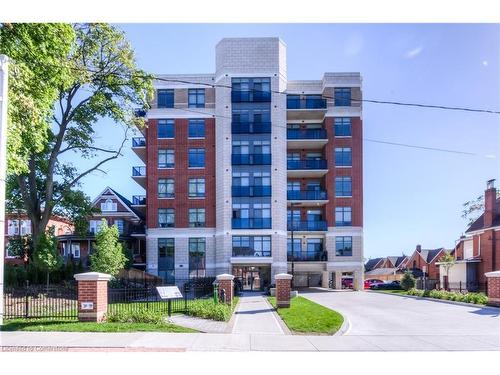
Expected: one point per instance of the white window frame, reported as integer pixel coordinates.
(109, 206)
(75, 250)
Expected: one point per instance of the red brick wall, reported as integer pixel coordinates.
(488, 241)
(494, 291)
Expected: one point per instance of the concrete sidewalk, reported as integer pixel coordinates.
(255, 315)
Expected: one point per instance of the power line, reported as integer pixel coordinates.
(419, 147)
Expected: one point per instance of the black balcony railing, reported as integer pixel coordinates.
(306, 164)
(138, 171)
(251, 191)
(249, 252)
(306, 134)
(308, 225)
(310, 256)
(299, 195)
(251, 159)
(138, 142)
(307, 103)
(249, 127)
(251, 223)
(138, 200)
(250, 96)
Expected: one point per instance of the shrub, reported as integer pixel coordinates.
(135, 316)
(415, 292)
(208, 309)
(408, 281)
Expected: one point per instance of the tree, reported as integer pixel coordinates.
(99, 80)
(447, 261)
(474, 208)
(408, 281)
(108, 256)
(46, 256)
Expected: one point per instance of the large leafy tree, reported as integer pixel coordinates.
(46, 256)
(108, 256)
(97, 79)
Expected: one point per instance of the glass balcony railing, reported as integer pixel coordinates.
(307, 164)
(249, 252)
(248, 127)
(304, 195)
(315, 256)
(138, 142)
(306, 134)
(251, 159)
(251, 223)
(138, 200)
(138, 171)
(242, 96)
(308, 225)
(251, 191)
(308, 103)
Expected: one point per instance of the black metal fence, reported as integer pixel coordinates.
(39, 301)
(464, 287)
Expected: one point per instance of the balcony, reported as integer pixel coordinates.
(306, 138)
(251, 223)
(245, 96)
(307, 168)
(139, 147)
(138, 200)
(251, 159)
(249, 252)
(305, 108)
(139, 175)
(307, 226)
(316, 256)
(248, 127)
(307, 197)
(251, 191)
(306, 103)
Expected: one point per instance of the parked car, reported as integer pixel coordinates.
(390, 285)
(370, 282)
(347, 283)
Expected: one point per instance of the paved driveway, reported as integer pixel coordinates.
(374, 314)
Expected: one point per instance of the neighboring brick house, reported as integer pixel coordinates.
(388, 268)
(477, 252)
(115, 209)
(423, 262)
(19, 225)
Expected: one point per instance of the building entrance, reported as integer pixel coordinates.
(252, 278)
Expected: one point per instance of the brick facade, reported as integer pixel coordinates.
(283, 288)
(93, 290)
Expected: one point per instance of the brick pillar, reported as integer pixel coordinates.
(493, 291)
(92, 296)
(283, 288)
(225, 282)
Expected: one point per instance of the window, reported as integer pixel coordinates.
(262, 147)
(196, 129)
(262, 210)
(166, 158)
(196, 98)
(166, 259)
(240, 147)
(166, 188)
(343, 157)
(197, 249)
(343, 216)
(196, 188)
(343, 246)
(259, 246)
(165, 98)
(241, 178)
(120, 224)
(343, 187)
(166, 217)
(196, 217)
(343, 96)
(343, 127)
(241, 210)
(13, 228)
(19, 227)
(109, 205)
(314, 245)
(95, 226)
(293, 215)
(262, 179)
(314, 215)
(196, 157)
(75, 250)
(293, 186)
(166, 129)
(297, 246)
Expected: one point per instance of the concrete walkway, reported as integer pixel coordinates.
(199, 324)
(254, 315)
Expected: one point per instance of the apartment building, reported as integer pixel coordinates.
(248, 173)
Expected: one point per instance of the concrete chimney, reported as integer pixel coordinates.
(490, 196)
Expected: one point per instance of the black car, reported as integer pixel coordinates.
(392, 285)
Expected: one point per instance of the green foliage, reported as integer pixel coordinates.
(108, 256)
(447, 261)
(46, 256)
(141, 315)
(208, 309)
(477, 298)
(14, 275)
(408, 281)
(19, 246)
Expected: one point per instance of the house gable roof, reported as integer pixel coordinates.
(479, 223)
(124, 201)
(372, 263)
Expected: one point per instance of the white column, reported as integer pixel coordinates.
(4, 69)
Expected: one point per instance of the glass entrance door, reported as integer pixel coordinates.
(251, 278)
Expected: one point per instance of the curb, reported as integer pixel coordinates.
(280, 321)
(344, 328)
(230, 324)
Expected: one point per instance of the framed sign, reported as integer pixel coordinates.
(87, 305)
(168, 292)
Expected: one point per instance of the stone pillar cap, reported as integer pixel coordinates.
(92, 276)
(283, 276)
(225, 276)
(492, 274)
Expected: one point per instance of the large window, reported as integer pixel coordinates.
(120, 224)
(343, 216)
(343, 96)
(196, 217)
(19, 227)
(166, 158)
(196, 157)
(166, 129)
(166, 259)
(259, 246)
(166, 188)
(94, 226)
(196, 188)
(196, 128)
(297, 246)
(165, 98)
(108, 205)
(343, 246)
(343, 127)
(166, 217)
(343, 186)
(197, 248)
(196, 98)
(343, 157)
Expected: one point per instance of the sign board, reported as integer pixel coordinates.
(168, 292)
(87, 306)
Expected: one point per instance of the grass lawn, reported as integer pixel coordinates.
(46, 325)
(398, 291)
(305, 316)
